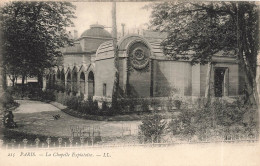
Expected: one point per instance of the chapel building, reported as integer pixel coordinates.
(144, 71)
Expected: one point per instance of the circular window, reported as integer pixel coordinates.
(139, 59)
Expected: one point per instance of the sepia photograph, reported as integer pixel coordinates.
(129, 83)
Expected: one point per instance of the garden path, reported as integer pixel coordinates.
(36, 117)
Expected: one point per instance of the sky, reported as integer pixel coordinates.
(129, 13)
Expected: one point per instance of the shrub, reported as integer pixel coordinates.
(118, 108)
(73, 102)
(7, 101)
(47, 95)
(177, 104)
(145, 105)
(218, 119)
(183, 124)
(84, 107)
(152, 128)
(104, 106)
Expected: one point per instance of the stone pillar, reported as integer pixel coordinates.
(226, 82)
(65, 80)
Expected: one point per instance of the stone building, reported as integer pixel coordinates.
(144, 71)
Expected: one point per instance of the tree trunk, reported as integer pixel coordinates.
(40, 80)
(251, 87)
(13, 80)
(23, 80)
(249, 74)
(116, 79)
(2, 68)
(207, 91)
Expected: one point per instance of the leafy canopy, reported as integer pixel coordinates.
(34, 32)
(202, 29)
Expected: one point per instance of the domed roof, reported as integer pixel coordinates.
(96, 30)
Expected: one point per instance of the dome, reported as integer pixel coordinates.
(96, 30)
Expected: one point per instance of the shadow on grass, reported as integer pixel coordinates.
(132, 116)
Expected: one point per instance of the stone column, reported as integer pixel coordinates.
(226, 83)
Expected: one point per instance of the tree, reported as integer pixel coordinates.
(197, 31)
(33, 34)
(116, 79)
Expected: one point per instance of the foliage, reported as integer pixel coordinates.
(152, 128)
(177, 104)
(47, 95)
(183, 124)
(33, 34)
(73, 102)
(7, 101)
(32, 93)
(218, 119)
(198, 31)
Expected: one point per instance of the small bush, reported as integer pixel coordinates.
(104, 106)
(183, 124)
(47, 95)
(152, 128)
(73, 102)
(145, 105)
(177, 104)
(7, 101)
(219, 119)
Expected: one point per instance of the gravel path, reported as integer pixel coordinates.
(27, 106)
(37, 118)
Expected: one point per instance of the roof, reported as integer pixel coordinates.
(76, 48)
(105, 50)
(149, 34)
(96, 30)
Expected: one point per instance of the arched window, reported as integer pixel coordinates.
(91, 84)
(82, 83)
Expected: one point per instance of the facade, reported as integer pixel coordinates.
(144, 71)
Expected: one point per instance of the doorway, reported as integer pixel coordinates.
(219, 82)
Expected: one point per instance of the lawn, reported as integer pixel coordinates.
(35, 119)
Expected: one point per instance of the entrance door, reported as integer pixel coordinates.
(219, 82)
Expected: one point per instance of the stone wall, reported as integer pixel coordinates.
(104, 74)
(72, 59)
(172, 75)
(92, 44)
